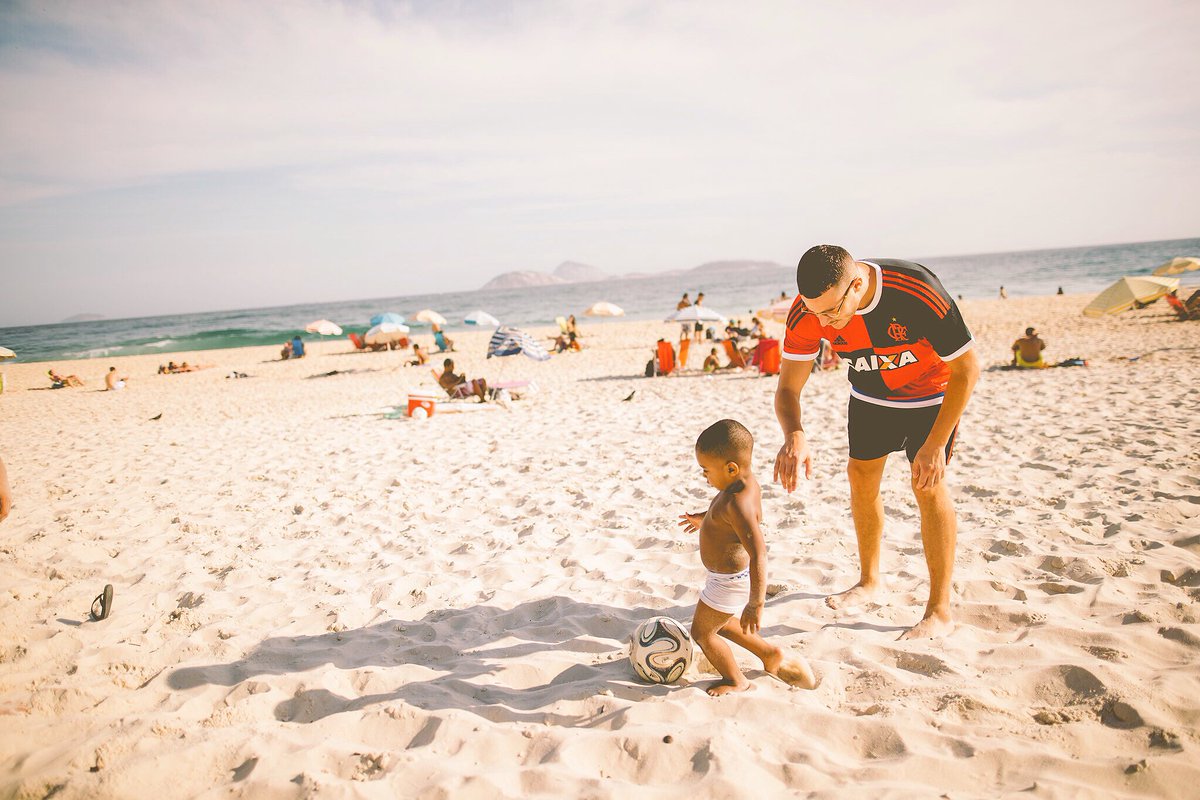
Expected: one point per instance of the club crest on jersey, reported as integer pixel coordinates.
(878, 362)
(897, 331)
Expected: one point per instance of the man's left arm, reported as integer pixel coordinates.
(929, 467)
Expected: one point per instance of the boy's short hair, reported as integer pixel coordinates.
(821, 268)
(727, 439)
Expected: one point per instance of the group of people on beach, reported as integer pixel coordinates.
(912, 369)
(112, 381)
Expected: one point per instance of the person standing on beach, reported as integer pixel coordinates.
(912, 370)
(698, 328)
(683, 303)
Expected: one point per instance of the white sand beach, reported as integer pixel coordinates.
(316, 599)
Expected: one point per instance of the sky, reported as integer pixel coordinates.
(160, 157)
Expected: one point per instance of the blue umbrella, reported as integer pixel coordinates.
(510, 341)
(387, 316)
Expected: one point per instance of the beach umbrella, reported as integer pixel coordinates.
(510, 341)
(481, 318)
(5, 353)
(429, 315)
(1127, 292)
(386, 332)
(695, 314)
(777, 311)
(323, 327)
(1177, 266)
(603, 309)
(388, 316)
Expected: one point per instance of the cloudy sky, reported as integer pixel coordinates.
(166, 157)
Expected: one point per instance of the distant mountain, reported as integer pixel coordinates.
(574, 272)
(729, 267)
(521, 280)
(84, 318)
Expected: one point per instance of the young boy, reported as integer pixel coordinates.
(732, 549)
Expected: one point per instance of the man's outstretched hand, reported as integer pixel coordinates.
(787, 463)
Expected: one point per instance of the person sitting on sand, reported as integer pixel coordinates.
(113, 382)
(286, 352)
(458, 386)
(1027, 351)
(59, 381)
(734, 553)
(419, 356)
(711, 364)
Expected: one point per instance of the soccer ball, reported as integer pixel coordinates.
(660, 650)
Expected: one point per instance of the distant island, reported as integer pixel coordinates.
(84, 318)
(574, 272)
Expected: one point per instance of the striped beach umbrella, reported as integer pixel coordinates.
(510, 341)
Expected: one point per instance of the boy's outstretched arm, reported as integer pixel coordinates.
(744, 519)
(691, 522)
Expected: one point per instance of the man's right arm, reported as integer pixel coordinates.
(792, 377)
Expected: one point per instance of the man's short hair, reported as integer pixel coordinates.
(727, 439)
(1030, 331)
(820, 268)
(448, 363)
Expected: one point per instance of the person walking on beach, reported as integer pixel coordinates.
(734, 553)
(912, 368)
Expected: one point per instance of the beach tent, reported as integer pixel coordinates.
(386, 332)
(323, 327)
(777, 311)
(510, 341)
(429, 315)
(603, 309)
(1177, 266)
(388, 316)
(1129, 291)
(481, 318)
(5, 353)
(695, 314)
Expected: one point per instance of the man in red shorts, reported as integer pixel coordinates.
(912, 369)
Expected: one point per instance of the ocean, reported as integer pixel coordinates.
(1031, 272)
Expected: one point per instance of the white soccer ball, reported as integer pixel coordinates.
(419, 413)
(660, 650)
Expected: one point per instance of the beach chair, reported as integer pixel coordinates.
(664, 360)
(736, 359)
(767, 357)
(684, 347)
(1181, 309)
(357, 341)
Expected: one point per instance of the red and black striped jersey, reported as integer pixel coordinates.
(896, 347)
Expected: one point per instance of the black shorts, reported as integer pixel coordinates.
(876, 430)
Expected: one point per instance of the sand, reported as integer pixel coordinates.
(314, 599)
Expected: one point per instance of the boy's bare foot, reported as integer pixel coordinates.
(931, 627)
(725, 687)
(793, 670)
(854, 596)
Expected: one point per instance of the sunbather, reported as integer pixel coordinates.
(457, 386)
(59, 381)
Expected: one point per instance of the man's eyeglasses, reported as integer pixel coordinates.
(836, 311)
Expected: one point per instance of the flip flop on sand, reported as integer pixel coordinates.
(104, 599)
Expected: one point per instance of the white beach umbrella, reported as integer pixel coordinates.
(1128, 291)
(323, 327)
(777, 311)
(386, 332)
(5, 353)
(695, 314)
(603, 309)
(1177, 266)
(429, 315)
(481, 318)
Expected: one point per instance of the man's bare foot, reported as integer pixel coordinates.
(854, 596)
(793, 670)
(931, 627)
(725, 687)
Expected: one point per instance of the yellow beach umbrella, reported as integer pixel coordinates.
(1177, 266)
(1129, 291)
(603, 309)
